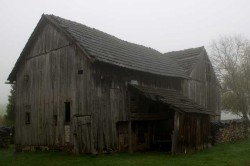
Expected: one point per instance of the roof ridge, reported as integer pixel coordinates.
(188, 49)
(186, 58)
(104, 33)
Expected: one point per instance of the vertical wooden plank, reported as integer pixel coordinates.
(129, 125)
(130, 135)
(175, 133)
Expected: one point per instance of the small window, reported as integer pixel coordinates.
(55, 120)
(134, 82)
(27, 118)
(27, 107)
(80, 71)
(67, 111)
(26, 78)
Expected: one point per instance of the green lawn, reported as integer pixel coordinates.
(237, 154)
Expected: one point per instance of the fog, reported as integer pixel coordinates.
(162, 25)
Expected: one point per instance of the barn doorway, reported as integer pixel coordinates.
(155, 135)
(152, 122)
(171, 121)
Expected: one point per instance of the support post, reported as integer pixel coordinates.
(175, 132)
(129, 126)
(130, 136)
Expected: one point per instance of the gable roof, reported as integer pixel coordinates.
(106, 48)
(172, 97)
(186, 58)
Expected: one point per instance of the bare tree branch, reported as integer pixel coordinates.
(231, 58)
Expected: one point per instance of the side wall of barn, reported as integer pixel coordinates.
(202, 87)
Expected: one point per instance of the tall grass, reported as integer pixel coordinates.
(235, 154)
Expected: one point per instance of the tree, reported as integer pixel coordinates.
(10, 112)
(231, 58)
(2, 121)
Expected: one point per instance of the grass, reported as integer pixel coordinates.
(234, 154)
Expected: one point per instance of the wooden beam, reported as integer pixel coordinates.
(149, 116)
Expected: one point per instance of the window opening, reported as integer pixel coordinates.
(26, 78)
(55, 120)
(67, 111)
(27, 118)
(80, 71)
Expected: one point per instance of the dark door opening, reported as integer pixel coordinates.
(67, 123)
(162, 135)
(152, 135)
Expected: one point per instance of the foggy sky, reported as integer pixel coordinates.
(161, 24)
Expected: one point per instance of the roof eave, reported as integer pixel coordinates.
(12, 76)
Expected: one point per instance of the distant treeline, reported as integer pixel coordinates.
(2, 109)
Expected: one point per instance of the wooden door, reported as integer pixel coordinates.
(82, 134)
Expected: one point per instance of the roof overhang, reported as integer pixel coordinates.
(175, 99)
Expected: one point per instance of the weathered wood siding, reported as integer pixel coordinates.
(51, 76)
(191, 132)
(44, 82)
(202, 87)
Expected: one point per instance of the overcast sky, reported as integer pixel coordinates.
(161, 24)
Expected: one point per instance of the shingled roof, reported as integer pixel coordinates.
(106, 48)
(173, 98)
(109, 49)
(186, 58)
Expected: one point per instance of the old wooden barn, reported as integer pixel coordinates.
(85, 91)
